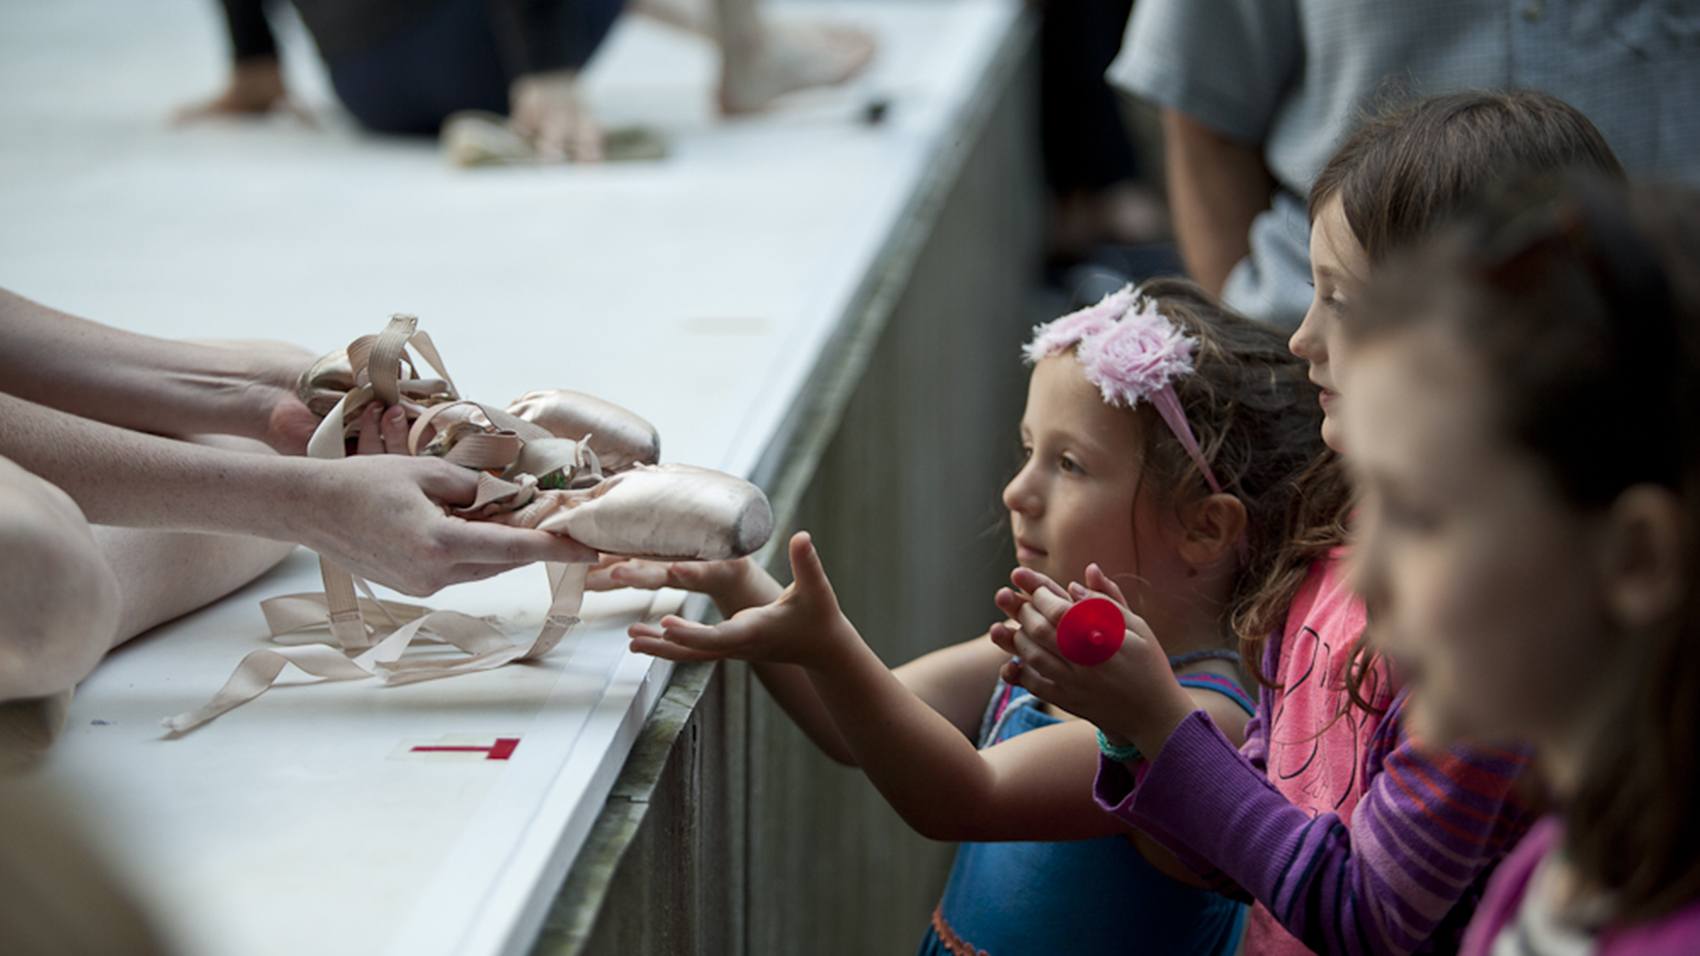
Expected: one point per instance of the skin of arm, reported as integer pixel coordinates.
(1036, 786)
(953, 681)
(379, 516)
(1217, 186)
(162, 386)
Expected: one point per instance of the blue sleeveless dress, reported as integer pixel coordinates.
(1079, 897)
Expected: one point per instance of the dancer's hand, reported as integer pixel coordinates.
(803, 626)
(383, 431)
(384, 518)
(279, 417)
(546, 109)
(1133, 696)
(244, 387)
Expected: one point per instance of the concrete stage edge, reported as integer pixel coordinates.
(727, 831)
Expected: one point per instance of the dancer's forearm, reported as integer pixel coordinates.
(138, 381)
(123, 477)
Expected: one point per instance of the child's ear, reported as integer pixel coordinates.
(1642, 556)
(1213, 526)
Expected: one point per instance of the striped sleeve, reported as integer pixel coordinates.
(1422, 839)
(1256, 746)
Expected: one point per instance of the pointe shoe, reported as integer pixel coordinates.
(529, 476)
(333, 377)
(619, 437)
(478, 138)
(677, 512)
(555, 459)
(326, 382)
(662, 512)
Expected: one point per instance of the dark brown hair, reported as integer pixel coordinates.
(1406, 170)
(1580, 302)
(1252, 406)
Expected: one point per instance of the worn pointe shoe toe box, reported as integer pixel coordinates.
(621, 438)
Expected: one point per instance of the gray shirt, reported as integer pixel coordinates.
(1294, 76)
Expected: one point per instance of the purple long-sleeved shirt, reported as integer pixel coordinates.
(1397, 869)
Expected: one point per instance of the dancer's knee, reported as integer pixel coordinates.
(59, 597)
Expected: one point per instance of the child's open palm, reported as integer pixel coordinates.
(803, 626)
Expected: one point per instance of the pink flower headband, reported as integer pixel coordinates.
(1133, 353)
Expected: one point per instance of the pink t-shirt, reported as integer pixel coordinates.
(1314, 739)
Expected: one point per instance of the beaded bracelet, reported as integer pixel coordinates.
(1118, 752)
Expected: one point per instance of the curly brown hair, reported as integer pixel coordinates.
(1255, 412)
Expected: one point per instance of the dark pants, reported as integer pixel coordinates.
(449, 59)
(1086, 145)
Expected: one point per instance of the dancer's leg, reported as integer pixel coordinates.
(59, 600)
(59, 608)
(70, 592)
(761, 60)
(166, 574)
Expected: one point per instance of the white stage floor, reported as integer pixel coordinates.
(698, 291)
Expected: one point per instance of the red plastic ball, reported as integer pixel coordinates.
(1091, 632)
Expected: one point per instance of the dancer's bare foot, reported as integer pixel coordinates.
(255, 88)
(786, 57)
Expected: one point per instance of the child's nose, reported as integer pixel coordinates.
(1019, 495)
(1304, 340)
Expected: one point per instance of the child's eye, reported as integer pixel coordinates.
(1026, 451)
(1335, 304)
(1069, 465)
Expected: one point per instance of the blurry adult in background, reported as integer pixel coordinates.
(402, 66)
(1092, 171)
(1255, 94)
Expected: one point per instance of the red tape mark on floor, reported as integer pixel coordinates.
(502, 749)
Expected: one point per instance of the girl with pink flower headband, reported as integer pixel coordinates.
(1165, 439)
(1352, 834)
(1132, 353)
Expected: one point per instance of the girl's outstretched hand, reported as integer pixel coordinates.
(1132, 697)
(804, 626)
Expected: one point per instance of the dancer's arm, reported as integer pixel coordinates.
(149, 384)
(379, 516)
